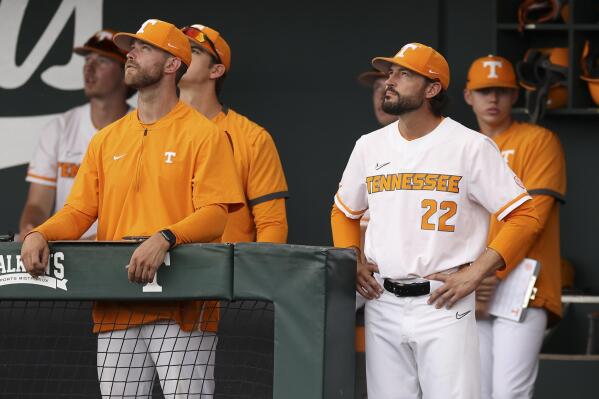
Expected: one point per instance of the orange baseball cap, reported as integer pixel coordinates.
(160, 34)
(101, 43)
(419, 58)
(491, 71)
(368, 78)
(210, 40)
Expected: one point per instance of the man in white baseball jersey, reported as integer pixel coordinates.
(63, 142)
(430, 185)
(510, 349)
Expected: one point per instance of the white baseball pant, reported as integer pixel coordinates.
(414, 350)
(128, 360)
(509, 355)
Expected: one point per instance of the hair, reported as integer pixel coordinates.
(440, 102)
(180, 72)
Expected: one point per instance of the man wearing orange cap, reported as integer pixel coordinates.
(430, 185)
(63, 142)
(263, 216)
(156, 172)
(509, 349)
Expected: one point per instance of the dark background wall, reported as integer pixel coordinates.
(293, 71)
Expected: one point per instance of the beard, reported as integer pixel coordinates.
(402, 104)
(143, 77)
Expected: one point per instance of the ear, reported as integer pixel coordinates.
(468, 96)
(217, 70)
(172, 64)
(433, 89)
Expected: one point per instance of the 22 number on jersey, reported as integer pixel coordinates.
(447, 210)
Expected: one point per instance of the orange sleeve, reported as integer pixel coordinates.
(543, 205)
(66, 224)
(544, 171)
(346, 231)
(517, 235)
(266, 180)
(270, 218)
(206, 224)
(215, 179)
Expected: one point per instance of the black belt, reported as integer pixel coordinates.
(411, 289)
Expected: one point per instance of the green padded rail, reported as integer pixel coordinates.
(312, 289)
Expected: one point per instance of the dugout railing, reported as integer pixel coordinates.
(311, 289)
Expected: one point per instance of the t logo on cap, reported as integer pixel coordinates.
(423, 60)
(410, 46)
(491, 71)
(161, 34)
(103, 35)
(492, 65)
(149, 21)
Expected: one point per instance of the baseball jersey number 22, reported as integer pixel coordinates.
(431, 207)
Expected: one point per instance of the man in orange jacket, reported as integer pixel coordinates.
(262, 217)
(509, 349)
(156, 172)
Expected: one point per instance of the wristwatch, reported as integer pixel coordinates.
(169, 236)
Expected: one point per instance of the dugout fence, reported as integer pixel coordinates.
(286, 326)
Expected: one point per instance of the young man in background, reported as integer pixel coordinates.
(263, 216)
(64, 141)
(509, 349)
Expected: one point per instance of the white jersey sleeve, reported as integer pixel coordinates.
(43, 167)
(351, 198)
(492, 183)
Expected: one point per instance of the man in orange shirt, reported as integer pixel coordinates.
(509, 350)
(262, 217)
(156, 172)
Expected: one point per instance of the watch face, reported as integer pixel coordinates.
(169, 236)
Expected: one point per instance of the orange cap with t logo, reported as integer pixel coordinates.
(491, 71)
(419, 58)
(163, 35)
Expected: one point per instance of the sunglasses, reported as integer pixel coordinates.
(201, 37)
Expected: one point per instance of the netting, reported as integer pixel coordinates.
(48, 350)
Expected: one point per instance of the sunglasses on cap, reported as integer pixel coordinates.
(201, 37)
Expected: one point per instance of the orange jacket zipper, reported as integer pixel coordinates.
(139, 161)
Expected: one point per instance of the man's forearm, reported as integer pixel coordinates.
(32, 216)
(346, 231)
(206, 224)
(517, 235)
(38, 207)
(67, 224)
(488, 263)
(270, 218)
